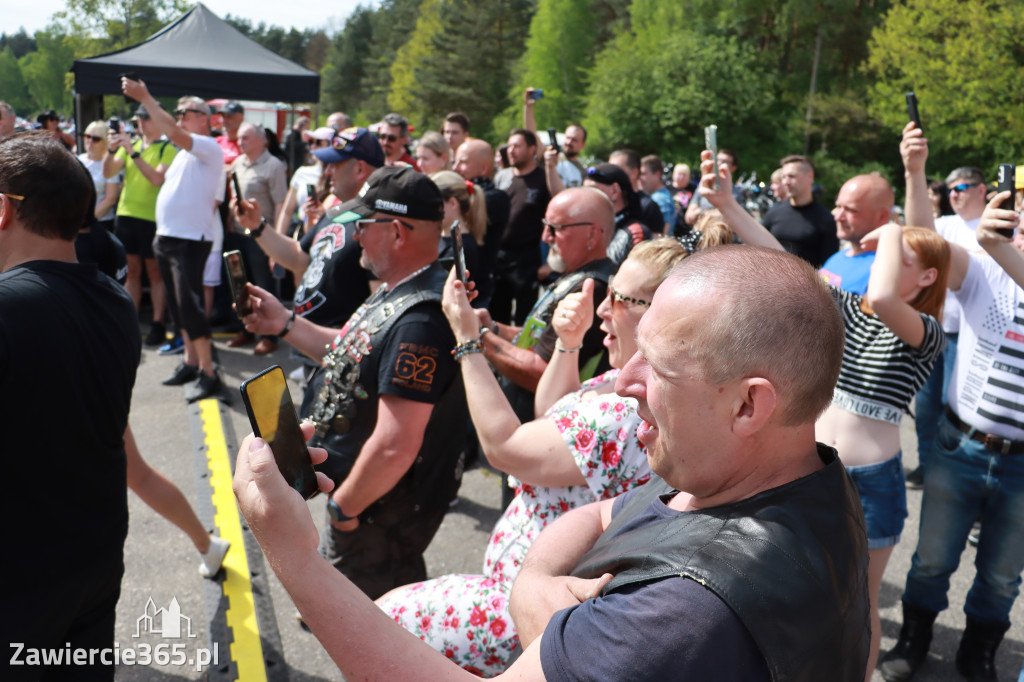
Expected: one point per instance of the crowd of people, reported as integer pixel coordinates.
(697, 412)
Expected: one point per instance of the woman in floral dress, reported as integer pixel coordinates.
(583, 449)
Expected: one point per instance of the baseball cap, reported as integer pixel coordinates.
(233, 107)
(398, 191)
(142, 113)
(610, 174)
(352, 143)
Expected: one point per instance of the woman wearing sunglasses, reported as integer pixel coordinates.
(108, 190)
(583, 449)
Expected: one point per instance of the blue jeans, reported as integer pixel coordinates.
(966, 481)
(931, 400)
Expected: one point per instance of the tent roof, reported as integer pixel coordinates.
(200, 54)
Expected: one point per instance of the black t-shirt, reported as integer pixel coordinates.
(629, 231)
(497, 203)
(528, 200)
(101, 248)
(650, 213)
(808, 231)
(334, 283)
(69, 350)
(414, 362)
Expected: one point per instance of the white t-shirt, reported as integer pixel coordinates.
(305, 175)
(987, 389)
(956, 230)
(186, 206)
(95, 169)
(569, 173)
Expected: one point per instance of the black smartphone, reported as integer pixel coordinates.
(311, 191)
(132, 76)
(272, 416)
(553, 137)
(114, 124)
(536, 94)
(711, 144)
(238, 192)
(237, 280)
(912, 112)
(460, 254)
(1007, 182)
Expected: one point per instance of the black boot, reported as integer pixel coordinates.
(900, 664)
(976, 657)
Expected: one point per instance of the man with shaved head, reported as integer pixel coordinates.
(578, 227)
(474, 160)
(864, 203)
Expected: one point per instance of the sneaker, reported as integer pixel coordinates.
(172, 347)
(157, 335)
(915, 479)
(182, 375)
(214, 557)
(206, 386)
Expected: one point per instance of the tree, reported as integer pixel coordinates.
(342, 77)
(20, 43)
(403, 70)
(13, 89)
(965, 63)
(46, 71)
(471, 65)
(392, 23)
(116, 24)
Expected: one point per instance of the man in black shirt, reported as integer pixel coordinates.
(805, 227)
(69, 349)
(630, 230)
(519, 257)
(474, 160)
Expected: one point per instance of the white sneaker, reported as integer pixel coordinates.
(213, 557)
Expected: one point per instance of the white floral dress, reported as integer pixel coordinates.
(465, 617)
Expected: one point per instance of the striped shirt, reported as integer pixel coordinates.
(881, 373)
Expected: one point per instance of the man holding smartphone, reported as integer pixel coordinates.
(187, 225)
(388, 398)
(63, 411)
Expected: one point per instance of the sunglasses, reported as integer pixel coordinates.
(182, 112)
(94, 138)
(388, 138)
(362, 223)
(963, 186)
(619, 298)
(555, 229)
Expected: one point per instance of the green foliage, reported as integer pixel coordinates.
(471, 65)
(392, 24)
(115, 24)
(46, 72)
(341, 80)
(308, 47)
(403, 69)
(965, 63)
(13, 89)
(20, 43)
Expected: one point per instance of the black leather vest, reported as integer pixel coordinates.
(791, 562)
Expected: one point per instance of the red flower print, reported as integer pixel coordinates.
(620, 407)
(477, 617)
(450, 653)
(425, 623)
(563, 424)
(563, 505)
(475, 671)
(450, 610)
(455, 622)
(610, 454)
(497, 627)
(585, 441)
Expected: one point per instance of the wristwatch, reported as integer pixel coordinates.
(335, 512)
(135, 155)
(258, 231)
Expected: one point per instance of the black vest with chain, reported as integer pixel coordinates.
(791, 562)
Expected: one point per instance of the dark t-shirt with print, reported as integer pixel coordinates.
(528, 201)
(808, 231)
(334, 284)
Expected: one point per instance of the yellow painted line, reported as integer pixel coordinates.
(246, 650)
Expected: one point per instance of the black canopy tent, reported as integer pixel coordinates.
(198, 54)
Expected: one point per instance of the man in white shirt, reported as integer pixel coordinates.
(186, 227)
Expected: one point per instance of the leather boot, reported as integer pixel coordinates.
(900, 664)
(976, 657)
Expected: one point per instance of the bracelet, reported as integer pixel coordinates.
(465, 348)
(258, 231)
(562, 349)
(288, 327)
(484, 329)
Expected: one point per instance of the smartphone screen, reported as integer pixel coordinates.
(1007, 182)
(912, 113)
(272, 416)
(460, 254)
(311, 191)
(237, 279)
(238, 192)
(711, 144)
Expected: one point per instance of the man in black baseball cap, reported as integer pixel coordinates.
(629, 230)
(388, 396)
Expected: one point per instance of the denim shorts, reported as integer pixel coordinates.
(883, 495)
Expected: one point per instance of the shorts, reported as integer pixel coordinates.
(883, 495)
(181, 267)
(136, 234)
(214, 262)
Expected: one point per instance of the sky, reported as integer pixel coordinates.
(300, 14)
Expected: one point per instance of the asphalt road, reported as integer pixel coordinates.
(161, 563)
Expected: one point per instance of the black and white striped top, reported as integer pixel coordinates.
(880, 373)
